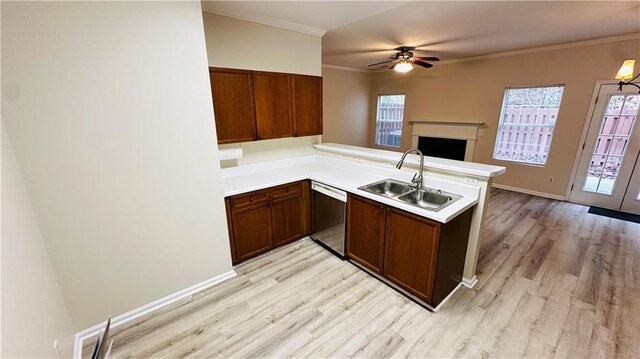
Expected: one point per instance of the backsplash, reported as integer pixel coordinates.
(269, 150)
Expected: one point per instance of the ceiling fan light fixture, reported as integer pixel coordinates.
(626, 70)
(403, 67)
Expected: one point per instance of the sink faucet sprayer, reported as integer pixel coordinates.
(417, 178)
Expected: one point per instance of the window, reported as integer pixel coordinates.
(531, 114)
(389, 120)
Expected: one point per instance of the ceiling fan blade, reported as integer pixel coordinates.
(423, 64)
(380, 63)
(430, 58)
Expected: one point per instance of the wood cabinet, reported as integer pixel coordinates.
(420, 256)
(287, 221)
(411, 248)
(366, 232)
(307, 104)
(248, 227)
(233, 105)
(272, 94)
(263, 220)
(257, 105)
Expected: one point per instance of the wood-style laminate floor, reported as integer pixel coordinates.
(554, 281)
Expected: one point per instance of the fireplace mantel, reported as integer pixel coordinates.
(458, 130)
(458, 123)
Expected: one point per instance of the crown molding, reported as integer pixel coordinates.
(346, 68)
(270, 21)
(569, 45)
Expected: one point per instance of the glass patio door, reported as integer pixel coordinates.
(610, 151)
(631, 200)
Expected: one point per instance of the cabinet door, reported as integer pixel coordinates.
(287, 219)
(365, 232)
(307, 105)
(272, 93)
(411, 248)
(233, 106)
(252, 231)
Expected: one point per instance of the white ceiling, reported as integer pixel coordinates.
(362, 32)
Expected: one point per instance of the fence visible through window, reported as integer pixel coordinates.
(527, 122)
(389, 115)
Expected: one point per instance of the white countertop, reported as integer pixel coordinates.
(461, 167)
(345, 175)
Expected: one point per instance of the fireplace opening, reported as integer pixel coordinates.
(449, 148)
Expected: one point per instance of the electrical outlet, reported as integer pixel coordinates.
(309, 146)
(56, 348)
(360, 159)
(480, 132)
(550, 179)
(471, 180)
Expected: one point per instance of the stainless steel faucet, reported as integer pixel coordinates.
(417, 178)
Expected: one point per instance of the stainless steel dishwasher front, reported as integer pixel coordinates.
(329, 214)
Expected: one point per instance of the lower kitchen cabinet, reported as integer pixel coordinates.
(263, 220)
(422, 257)
(411, 251)
(249, 232)
(365, 232)
(287, 219)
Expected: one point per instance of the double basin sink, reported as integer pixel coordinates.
(425, 198)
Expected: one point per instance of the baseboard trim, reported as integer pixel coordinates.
(81, 336)
(527, 191)
(446, 299)
(469, 283)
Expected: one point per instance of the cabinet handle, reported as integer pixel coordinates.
(250, 199)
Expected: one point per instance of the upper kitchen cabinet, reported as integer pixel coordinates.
(257, 105)
(307, 105)
(272, 93)
(233, 105)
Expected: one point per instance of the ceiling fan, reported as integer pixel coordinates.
(404, 60)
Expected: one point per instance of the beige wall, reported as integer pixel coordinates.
(346, 96)
(241, 44)
(33, 309)
(108, 107)
(473, 91)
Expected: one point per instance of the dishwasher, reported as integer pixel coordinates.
(329, 214)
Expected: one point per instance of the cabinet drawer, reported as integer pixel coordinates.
(250, 199)
(286, 190)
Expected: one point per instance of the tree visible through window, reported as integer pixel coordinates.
(389, 120)
(526, 124)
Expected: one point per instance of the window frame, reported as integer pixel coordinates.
(375, 124)
(501, 118)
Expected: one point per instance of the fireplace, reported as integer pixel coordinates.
(449, 148)
(446, 139)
